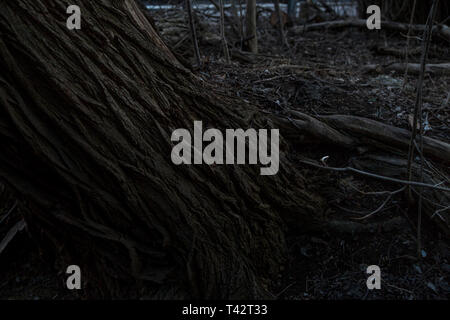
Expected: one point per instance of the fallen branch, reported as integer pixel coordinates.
(352, 132)
(440, 30)
(401, 53)
(352, 227)
(413, 68)
(373, 132)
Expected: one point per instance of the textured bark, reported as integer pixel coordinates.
(250, 31)
(85, 123)
(280, 22)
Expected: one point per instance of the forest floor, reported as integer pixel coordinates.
(320, 73)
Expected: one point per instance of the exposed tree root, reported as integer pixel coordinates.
(379, 146)
(356, 132)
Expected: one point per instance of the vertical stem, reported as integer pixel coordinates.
(251, 26)
(234, 11)
(241, 23)
(222, 33)
(280, 23)
(411, 20)
(193, 32)
(418, 117)
(292, 5)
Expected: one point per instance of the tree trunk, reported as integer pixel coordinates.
(226, 53)
(193, 31)
(86, 118)
(250, 31)
(278, 12)
(292, 9)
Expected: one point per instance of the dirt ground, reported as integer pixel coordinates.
(320, 73)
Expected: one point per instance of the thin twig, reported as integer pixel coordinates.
(407, 42)
(285, 289)
(417, 114)
(385, 202)
(418, 103)
(9, 212)
(439, 211)
(376, 176)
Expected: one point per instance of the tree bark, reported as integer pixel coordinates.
(226, 53)
(250, 31)
(277, 8)
(85, 123)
